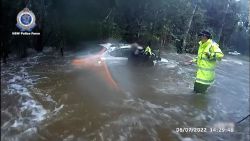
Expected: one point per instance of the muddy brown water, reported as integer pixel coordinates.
(48, 97)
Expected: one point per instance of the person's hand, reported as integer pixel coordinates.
(188, 62)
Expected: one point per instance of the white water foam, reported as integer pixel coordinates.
(58, 109)
(145, 118)
(194, 138)
(17, 89)
(37, 111)
(232, 61)
(14, 79)
(164, 60)
(16, 124)
(30, 112)
(106, 45)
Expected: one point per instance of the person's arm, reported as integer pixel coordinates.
(216, 53)
(194, 60)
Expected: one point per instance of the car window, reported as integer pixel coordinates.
(122, 52)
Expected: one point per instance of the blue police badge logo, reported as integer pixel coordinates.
(26, 20)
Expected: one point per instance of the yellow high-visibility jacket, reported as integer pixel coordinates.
(208, 53)
(148, 50)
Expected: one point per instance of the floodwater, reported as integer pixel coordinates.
(85, 97)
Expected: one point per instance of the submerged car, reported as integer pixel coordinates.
(97, 59)
(134, 53)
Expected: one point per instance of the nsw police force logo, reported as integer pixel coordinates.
(26, 20)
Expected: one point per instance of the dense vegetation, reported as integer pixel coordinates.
(163, 22)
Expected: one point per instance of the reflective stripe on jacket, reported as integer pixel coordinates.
(208, 53)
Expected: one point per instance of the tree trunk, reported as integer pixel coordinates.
(188, 28)
(39, 43)
(21, 44)
(223, 22)
(23, 52)
(248, 14)
(62, 44)
(5, 52)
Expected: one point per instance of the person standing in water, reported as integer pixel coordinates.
(208, 55)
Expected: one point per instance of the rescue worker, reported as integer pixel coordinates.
(147, 54)
(148, 51)
(208, 53)
(136, 54)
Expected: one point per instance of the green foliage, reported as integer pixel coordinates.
(160, 22)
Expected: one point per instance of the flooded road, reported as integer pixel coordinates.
(71, 98)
